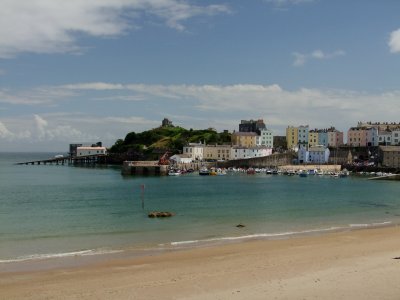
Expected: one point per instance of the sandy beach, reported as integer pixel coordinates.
(355, 264)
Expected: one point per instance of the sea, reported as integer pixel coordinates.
(49, 212)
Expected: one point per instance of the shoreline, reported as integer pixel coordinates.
(84, 257)
(352, 264)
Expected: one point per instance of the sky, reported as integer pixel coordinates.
(82, 71)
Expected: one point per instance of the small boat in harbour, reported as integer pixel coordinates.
(204, 171)
(251, 171)
(303, 173)
(174, 172)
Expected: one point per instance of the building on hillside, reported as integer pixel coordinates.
(252, 126)
(318, 154)
(166, 123)
(303, 135)
(362, 137)
(323, 137)
(379, 125)
(90, 151)
(315, 154)
(266, 138)
(313, 138)
(292, 137)
(194, 150)
(238, 152)
(217, 152)
(303, 155)
(389, 156)
(385, 137)
(246, 139)
(297, 137)
(396, 136)
(335, 138)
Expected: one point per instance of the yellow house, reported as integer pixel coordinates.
(218, 152)
(292, 137)
(312, 138)
(244, 139)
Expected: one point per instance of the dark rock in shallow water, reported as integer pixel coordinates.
(240, 225)
(160, 214)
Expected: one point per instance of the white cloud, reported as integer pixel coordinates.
(301, 59)
(286, 2)
(314, 106)
(4, 132)
(51, 26)
(37, 96)
(394, 42)
(191, 106)
(100, 86)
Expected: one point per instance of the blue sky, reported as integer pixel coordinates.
(94, 70)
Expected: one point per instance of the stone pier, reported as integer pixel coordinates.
(143, 168)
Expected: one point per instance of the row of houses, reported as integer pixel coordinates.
(201, 152)
(302, 136)
(253, 139)
(363, 135)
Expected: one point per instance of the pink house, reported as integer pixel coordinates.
(362, 137)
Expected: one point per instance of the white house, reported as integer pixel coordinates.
(195, 150)
(385, 137)
(372, 137)
(266, 138)
(396, 136)
(315, 154)
(239, 152)
(87, 151)
(181, 158)
(303, 155)
(318, 154)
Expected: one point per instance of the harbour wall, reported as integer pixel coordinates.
(273, 160)
(324, 168)
(143, 168)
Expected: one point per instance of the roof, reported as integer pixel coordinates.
(317, 148)
(240, 133)
(389, 148)
(91, 148)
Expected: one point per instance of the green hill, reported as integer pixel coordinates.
(151, 143)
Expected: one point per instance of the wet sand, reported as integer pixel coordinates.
(356, 264)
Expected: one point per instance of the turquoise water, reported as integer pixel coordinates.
(55, 210)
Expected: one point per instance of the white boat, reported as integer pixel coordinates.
(221, 172)
(174, 172)
(303, 173)
(204, 171)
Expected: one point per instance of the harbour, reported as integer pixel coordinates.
(53, 211)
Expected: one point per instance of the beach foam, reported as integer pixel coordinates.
(277, 235)
(59, 255)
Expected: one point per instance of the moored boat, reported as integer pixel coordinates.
(303, 173)
(174, 172)
(204, 171)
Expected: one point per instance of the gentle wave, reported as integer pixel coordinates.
(281, 234)
(255, 236)
(370, 225)
(58, 255)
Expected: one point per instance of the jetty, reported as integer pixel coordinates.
(144, 168)
(87, 159)
(386, 177)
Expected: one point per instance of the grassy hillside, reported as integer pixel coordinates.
(149, 144)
